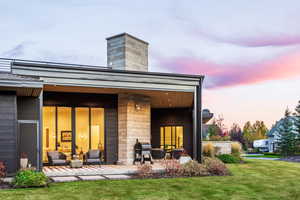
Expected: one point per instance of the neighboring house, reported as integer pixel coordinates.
(262, 145)
(271, 143)
(71, 108)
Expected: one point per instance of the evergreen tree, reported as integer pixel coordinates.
(297, 115)
(288, 135)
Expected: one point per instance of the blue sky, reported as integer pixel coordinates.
(248, 50)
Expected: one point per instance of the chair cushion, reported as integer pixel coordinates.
(56, 162)
(54, 155)
(95, 160)
(94, 153)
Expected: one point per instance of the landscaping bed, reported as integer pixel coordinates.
(255, 179)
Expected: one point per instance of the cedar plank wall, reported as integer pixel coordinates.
(8, 130)
(172, 117)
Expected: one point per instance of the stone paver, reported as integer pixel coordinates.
(117, 177)
(64, 178)
(91, 178)
(8, 180)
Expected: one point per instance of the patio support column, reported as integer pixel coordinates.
(133, 123)
(197, 123)
(40, 134)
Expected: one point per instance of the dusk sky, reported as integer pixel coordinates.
(249, 51)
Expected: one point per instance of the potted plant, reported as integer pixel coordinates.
(184, 157)
(23, 160)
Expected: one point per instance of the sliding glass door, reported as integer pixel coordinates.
(171, 137)
(72, 130)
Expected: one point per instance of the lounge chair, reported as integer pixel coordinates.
(57, 158)
(92, 157)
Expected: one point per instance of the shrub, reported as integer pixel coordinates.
(227, 158)
(2, 171)
(193, 168)
(173, 168)
(30, 178)
(216, 167)
(236, 149)
(144, 171)
(209, 150)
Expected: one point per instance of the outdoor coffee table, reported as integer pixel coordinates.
(76, 163)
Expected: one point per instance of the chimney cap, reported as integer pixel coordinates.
(127, 34)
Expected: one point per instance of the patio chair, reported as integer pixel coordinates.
(57, 158)
(92, 157)
(176, 153)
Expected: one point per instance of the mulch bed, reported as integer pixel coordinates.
(291, 159)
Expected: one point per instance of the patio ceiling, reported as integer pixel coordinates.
(159, 99)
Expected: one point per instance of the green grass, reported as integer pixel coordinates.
(263, 156)
(257, 179)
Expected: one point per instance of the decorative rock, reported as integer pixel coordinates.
(184, 159)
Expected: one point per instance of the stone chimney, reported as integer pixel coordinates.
(126, 52)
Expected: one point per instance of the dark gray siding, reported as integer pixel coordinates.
(28, 108)
(172, 117)
(111, 135)
(8, 131)
(28, 133)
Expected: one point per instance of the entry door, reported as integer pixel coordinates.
(28, 141)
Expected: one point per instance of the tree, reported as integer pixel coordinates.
(288, 135)
(248, 134)
(215, 129)
(260, 130)
(297, 115)
(236, 134)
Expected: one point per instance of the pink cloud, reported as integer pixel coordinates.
(253, 41)
(227, 75)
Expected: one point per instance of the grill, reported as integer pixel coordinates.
(142, 152)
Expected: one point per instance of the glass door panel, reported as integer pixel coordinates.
(49, 130)
(179, 137)
(97, 128)
(64, 130)
(82, 130)
(171, 137)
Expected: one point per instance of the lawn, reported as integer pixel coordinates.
(257, 179)
(262, 156)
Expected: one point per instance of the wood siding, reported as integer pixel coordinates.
(172, 117)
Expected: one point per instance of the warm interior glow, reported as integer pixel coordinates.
(82, 130)
(49, 132)
(64, 130)
(89, 130)
(171, 137)
(97, 128)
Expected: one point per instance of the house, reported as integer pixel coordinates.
(271, 143)
(274, 134)
(47, 106)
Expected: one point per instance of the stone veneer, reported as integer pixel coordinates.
(126, 52)
(133, 123)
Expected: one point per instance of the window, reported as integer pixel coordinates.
(171, 137)
(58, 133)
